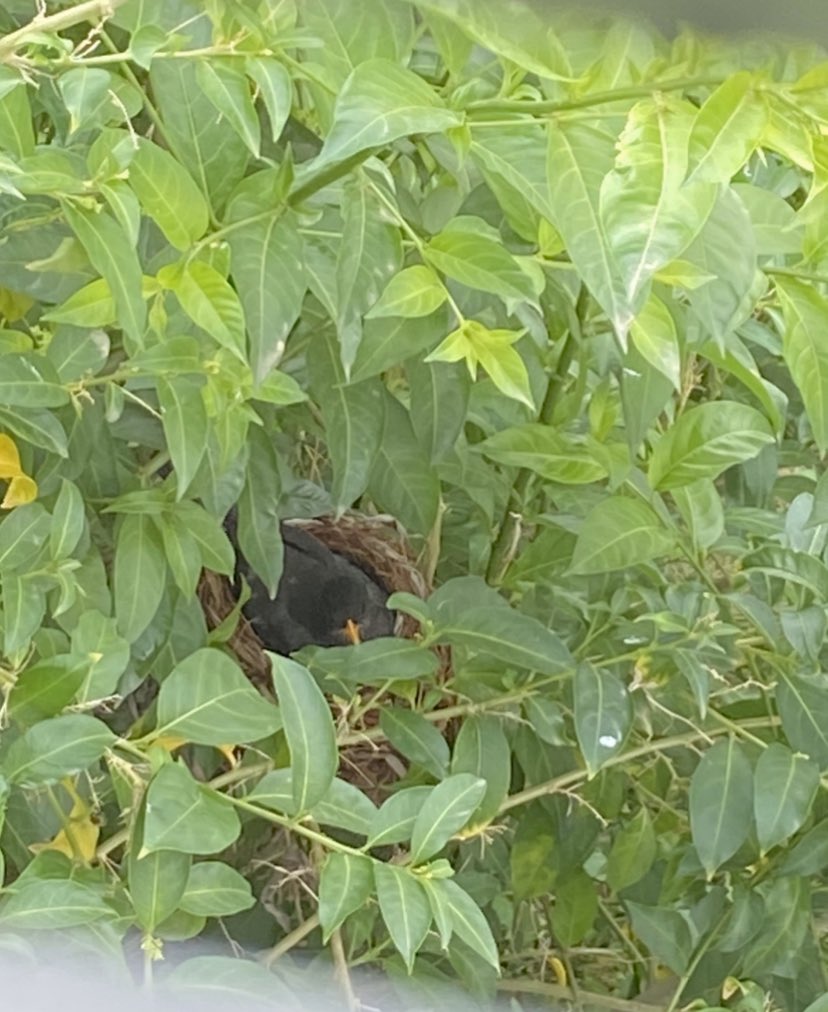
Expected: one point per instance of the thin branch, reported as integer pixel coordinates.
(39, 24)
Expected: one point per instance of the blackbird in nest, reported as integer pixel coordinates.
(322, 599)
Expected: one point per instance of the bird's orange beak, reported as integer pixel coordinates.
(352, 632)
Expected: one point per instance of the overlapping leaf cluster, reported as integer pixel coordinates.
(551, 292)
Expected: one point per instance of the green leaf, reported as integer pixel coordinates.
(402, 481)
(579, 157)
(727, 129)
(633, 852)
(379, 103)
(55, 748)
(467, 920)
(309, 730)
(553, 455)
(182, 552)
(227, 89)
(43, 689)
(533, 857)
(215, 547)
(404, 907)
(184, 417)
(444, 813)
(209, 301)
(806, 316)
(76, 354)
(207, 700)
(721, 804)
(259, 534)
(803, 706)
(466, 252)
(395, 820)
(68, 521)
(648, 215)
(268, 268)
(415, 291)
(29, 382)
(482, 750)
(491, 349)
(52, 905)
(376, 661)
(665, 933)
(603, 714)
(776, 227)
(140, 575)
(576, 905)
(23, 533)
(439, 400)
(168, 194)
(214, 889)
(654, 333)
(219, 979)
(183, 815)
(786, 921)
(387, 342)
(617, 533)
(706, 440)
(274, 84)
(16, 130)
(157, 881)
(466, 612)
(345, 885)
(784, 789)
(810, 854)
(40, 428)
(95, 637)
(417, 739)
(353, 416)
(342, 805)
(701, 508)
(114, 257)
(24, 605)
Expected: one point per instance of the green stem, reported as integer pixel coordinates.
(548, 106)
(40, 24)
(507, 536)
(793, 272)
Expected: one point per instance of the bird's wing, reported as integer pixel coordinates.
(306, 544)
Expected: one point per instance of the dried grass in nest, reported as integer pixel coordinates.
(376, 545)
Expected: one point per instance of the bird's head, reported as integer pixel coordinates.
(351, 613)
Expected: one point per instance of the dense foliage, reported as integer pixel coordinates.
(552, 293)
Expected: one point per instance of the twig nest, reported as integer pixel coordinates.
(375, 544)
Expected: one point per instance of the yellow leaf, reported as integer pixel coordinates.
(22, 489)
(170, 742)
(9, 458)
(229, 754)
(78, 840)
(559, 970)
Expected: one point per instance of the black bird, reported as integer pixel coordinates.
(322, 599)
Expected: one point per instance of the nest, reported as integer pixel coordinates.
(375, 544)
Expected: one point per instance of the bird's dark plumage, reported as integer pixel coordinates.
(322, 598)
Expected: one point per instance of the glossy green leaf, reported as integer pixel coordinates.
(706, 440)
(183, 815)
(482, 750)
(68, 521)
(29, 382)
(402, 481)
(56, 747)
(727, 129)
(345, 884)
(90, 306)
(721, 804)
(379, 103)
(226, 87)
(404, 908)
(617, 533)
(579, 157)
(115, 259)
(52, 905)
(156, 882)
(701, 508)
(633, 851)
(184, 417)
(665, 933)
(43, 689)
(785, 785)
(809, 855)
(309, 730)
(553, 455)
(24, 606)
(275, 89)
(415, 291)
(439, 398)
(39, 427)
(603, 714)
(446, 810)
(576, 906)
(259, 534)
(214, 889)
(23, 532)
(806, 315)
(803, 707)
(95, 636)
(209, 301)
(395, 820)
(376, 661)
(467, 920)
(168, 194)
(468, 253)
(654, 332)
(214, 546)
(417, 739)
(140, 575)
(182, 552)
(207, 700)
(342, 805)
